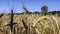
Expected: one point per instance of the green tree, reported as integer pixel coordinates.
(44, 10)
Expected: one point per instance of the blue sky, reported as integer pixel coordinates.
(31, 5)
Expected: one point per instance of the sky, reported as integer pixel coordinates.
(31, 5)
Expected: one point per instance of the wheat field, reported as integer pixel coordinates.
(37, 24)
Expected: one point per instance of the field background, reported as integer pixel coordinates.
(37, 24)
